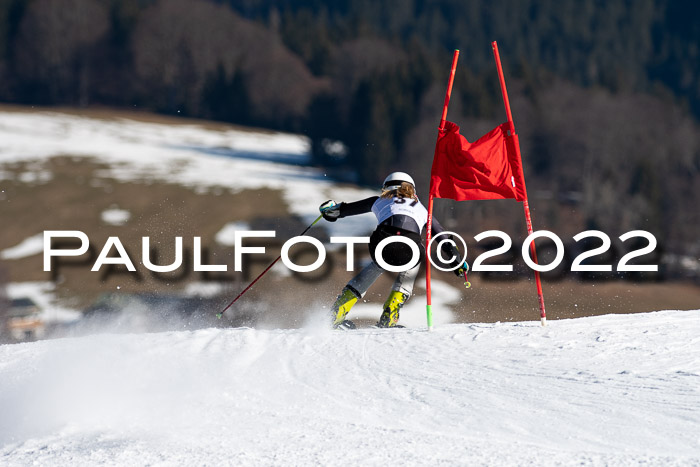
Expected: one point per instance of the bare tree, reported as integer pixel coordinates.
(631, 156)
(179, 43)
(359, 59)
(55, 45)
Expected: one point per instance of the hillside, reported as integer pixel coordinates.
(604, 95)
(130, 175)
(607, 390)
(135, 175)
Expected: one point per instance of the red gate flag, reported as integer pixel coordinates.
(489, 168)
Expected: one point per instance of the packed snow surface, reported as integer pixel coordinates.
(605, 390)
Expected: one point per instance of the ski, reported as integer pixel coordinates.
(346, 325)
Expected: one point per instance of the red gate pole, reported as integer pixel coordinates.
(526, 205)
(428, 235)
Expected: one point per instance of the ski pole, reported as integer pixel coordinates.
(467, 284)
(221, 313)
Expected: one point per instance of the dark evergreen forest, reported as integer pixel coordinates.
(605, 94)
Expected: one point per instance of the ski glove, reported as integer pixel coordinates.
(330, 210)
(462, 269)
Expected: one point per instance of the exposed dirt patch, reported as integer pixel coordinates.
(75, 198)
(73, 195)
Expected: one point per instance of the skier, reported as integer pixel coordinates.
(399, 213)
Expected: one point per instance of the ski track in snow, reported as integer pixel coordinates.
(605, 390)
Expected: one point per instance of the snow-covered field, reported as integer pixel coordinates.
(191, 155)
(200, 157)
(607, 390)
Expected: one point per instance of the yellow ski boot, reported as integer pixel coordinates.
(345, 301)
(393, 304)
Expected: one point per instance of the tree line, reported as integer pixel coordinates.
(604, 93)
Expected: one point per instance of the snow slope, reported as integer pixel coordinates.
(606, 390)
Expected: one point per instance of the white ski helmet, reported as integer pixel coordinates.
(394, 180)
